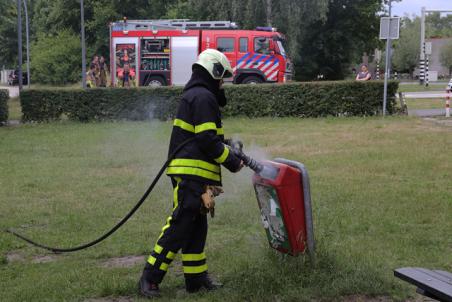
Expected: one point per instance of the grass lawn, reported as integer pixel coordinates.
(381, 200)
(417, 87)
(425, 103)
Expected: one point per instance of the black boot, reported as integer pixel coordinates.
(148, 288)
(194, 284)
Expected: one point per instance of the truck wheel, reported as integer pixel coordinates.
(156, 81)
(252, 80)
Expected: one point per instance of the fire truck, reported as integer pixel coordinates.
(161, 52)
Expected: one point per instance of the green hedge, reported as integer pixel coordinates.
(4, 96)
(316, 99)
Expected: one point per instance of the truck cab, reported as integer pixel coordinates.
(256, 56)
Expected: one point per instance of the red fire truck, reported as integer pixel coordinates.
(161, 52)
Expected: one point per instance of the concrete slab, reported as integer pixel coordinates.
(427, 112)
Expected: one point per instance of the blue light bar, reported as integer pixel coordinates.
(265, 28)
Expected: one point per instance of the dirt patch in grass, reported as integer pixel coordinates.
(123, 262)
(44, 258)
(14, 256)
(364, 298)
(18, 256)
(110, 299)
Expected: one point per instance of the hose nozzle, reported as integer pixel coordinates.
(237, 148)
(251, 163)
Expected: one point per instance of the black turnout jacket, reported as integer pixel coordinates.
(199, 116)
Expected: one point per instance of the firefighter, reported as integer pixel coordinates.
(195, 175)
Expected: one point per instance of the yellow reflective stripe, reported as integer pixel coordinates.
(193, 257)
(158, 249)
(223, 156)
(193, 171)
(176, 202)
(152, 260)
(195, 269)
(198, 128)
(184, 125)
(195, 163)
(205, 127)
(175, 193)
(167, 225)
(170, 255)
(164, 266)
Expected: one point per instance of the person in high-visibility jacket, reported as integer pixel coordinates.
(195, 167)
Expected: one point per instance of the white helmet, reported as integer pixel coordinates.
(215, 63)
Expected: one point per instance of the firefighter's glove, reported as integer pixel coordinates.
(235, 144)
(208, 199)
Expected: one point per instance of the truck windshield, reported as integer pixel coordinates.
(281, 47)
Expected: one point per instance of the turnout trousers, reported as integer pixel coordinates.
(186, 230)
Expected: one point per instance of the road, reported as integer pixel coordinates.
(13, 90)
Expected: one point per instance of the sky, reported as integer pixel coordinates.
(411, 7)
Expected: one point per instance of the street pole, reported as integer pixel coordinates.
(422, 54)
(28, 42)
(387, 68)
(82, 17)
(19, 42)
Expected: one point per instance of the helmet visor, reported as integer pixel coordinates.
(220, 72)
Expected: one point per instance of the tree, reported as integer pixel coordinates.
(56, 59)
(438, 26)
(351, 28)
(406, 49)
(446, 56)
(8, 33)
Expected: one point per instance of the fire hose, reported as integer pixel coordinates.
(236, 147)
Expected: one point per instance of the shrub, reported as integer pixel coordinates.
(56, 59)
(4, 96)
(345, 98)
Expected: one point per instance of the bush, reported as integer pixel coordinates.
(345, 98)
(4, 96)
(56, 59)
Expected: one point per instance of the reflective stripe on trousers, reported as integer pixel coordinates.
(185, 229)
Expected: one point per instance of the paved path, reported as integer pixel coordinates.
(425, 95)
(13, 90)
(431, 83)
(427, 112)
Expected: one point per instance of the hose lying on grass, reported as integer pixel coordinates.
(119, 224)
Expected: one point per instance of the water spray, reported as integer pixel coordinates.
(260, 168)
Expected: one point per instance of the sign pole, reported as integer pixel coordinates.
(19, 42)
(387, 69)
(422, 54)
(28, 42)
(82, 29)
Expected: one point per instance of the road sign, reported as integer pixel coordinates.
(377, 55)
(389, 28)
(428, 48)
